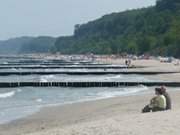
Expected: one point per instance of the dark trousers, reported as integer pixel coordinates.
(154, 109)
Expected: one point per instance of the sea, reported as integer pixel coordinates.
(17, 103)
(20, 102)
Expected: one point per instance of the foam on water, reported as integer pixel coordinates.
(5, 62)
(7, 95)
(28, 100)
(122, 92)
(113, 77)
(64, 77)
(46, 78)
(14, 69)
(19, 90)
(39, 100)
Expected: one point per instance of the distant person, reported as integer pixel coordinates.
(157, 103)
(129, 62)
(126, 62)
(168, 98)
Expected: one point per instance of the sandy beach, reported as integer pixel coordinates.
(114, 116)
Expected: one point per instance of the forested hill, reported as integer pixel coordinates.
(153, 30)
(42, 44)
(13, 46)
(23, 45)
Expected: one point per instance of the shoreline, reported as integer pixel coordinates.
(61, 118)
(96, 94)
(113, 116)
(142, 90)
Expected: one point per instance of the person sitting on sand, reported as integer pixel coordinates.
(157, 103)
(168, 99)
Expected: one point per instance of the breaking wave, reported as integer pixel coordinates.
(7, 95)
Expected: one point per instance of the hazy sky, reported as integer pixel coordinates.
(56, 17)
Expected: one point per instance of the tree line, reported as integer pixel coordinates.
(154, 30)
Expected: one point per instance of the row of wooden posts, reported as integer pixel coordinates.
(85, 84)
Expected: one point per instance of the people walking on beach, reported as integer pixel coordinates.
(128, 63)
(168, 98)
(157, 103)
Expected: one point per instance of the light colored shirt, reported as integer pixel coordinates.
(158, 101)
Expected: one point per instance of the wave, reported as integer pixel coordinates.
(39, 100)
(19, 90)
(122, 92)
(5, 62)
(43, 80)
(14, 69)
(113, 77)
(46, 78)
(132, 90)
(7, 95)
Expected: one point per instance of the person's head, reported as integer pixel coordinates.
(163, 89)
(158, 91)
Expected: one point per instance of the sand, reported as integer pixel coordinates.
(122, 118)
(114, 116)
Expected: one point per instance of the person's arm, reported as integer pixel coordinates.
(153, 102)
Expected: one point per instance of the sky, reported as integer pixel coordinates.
(56, 17)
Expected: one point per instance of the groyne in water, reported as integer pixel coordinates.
(66, 67)
(82, 73)
(49, 64)
(85, 84)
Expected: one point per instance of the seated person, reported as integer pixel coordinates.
(157, 103)
(168, 98)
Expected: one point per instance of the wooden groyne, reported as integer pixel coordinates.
(67, 67)
(81, 73)
(86, 84)
(50, 64)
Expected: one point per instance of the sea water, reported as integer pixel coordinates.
(74, 78)
(17, 103)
